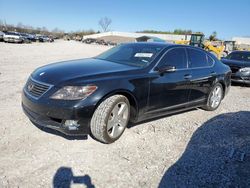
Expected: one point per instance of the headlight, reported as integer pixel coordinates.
(74, 92)
(246, 69)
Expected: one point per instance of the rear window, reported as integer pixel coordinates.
(12, 33)
(239, 56)
(197, 58)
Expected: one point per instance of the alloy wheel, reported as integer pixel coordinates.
(216, 97)
(117, 120)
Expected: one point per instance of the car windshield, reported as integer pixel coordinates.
(240, 56)
(136, 54)
(12, 33)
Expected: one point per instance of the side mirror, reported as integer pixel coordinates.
(165, 68)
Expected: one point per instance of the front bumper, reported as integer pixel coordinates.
(14, 40)
(240, 77)
(54, 117)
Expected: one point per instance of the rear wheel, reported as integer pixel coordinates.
(110, 119)
(214, 98)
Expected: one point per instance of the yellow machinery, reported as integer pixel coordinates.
(198, 40)
(182, 42)
(218, 51)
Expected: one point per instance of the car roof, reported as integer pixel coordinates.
(239, 51)
(160, 44)
(164, 45)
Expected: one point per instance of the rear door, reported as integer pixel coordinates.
(203, 74)
(170, 90)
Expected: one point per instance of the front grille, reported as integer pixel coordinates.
(35, 88)
(234, 69)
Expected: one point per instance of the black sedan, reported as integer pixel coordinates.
(239, 62)
(128, 83)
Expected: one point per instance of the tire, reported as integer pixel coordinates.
(214, 98)
(110, 119)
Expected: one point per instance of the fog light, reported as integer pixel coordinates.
(72, 124)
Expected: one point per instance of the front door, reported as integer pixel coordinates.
(170, 90)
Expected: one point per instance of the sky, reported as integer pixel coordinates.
(228, 18)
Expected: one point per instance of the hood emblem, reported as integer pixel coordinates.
(30, 87)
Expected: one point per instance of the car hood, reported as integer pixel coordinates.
(12, 36)
(57, 73)
(230, 62)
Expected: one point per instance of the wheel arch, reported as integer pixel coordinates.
(220, 81)
(134, 110)
(223, 87)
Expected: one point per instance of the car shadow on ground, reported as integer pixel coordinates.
(240, 84)
(64, 178)
(85, 137)
(131, 125)
(217, 155)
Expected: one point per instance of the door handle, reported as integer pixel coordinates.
(187, 76)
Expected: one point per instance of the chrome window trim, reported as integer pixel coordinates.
(188, 62)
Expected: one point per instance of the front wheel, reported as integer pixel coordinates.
(110, 119)
(214, 98)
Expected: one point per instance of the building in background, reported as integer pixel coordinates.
(242, 40)
(120, 37)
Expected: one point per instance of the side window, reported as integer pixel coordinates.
(175, 57)
(197, 58)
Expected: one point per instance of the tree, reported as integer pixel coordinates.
(105, 23)
(1, 25)
(213, 36)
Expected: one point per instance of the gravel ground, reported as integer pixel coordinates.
(191, 149)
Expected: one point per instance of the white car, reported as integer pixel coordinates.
(13, 37)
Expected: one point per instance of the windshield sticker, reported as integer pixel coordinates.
(144, 55)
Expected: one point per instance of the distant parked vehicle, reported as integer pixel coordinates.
(43, 38)
(239, 62)
(77, 38)
(109, 43)
(1, 36)
(67, 37)
(28, 37)
(101, 42)
(13, 37)
(89, 41)
(37, 37)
